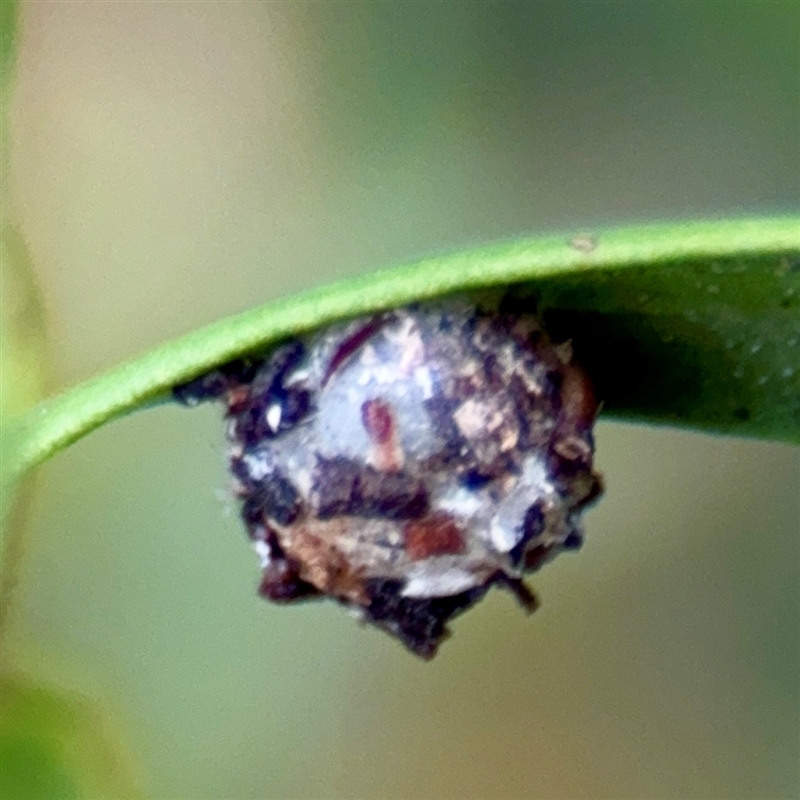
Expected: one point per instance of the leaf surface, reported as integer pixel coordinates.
(692, 324)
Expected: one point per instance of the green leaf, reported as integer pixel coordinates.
(23, 343)
(23, 377)
(693, 324)
(57, 746)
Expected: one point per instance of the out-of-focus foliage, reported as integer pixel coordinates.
(22, 333)
(56, 747)
(23, 377)
(52, 746)
(21, 316)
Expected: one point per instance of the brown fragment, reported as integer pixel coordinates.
(537, 556)
(587, 490)
(378, 420)
(281, 583)
(391, 495)
(237, 399)
(335, 486)
(352, 344)
(321, 563)
(573, 448)
(572, 444)
(577, 396)
(343, 487)
(434, 535)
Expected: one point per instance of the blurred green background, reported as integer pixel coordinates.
(175, 162)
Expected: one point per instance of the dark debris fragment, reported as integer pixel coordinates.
(405, 463)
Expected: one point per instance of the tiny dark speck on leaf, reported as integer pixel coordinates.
(741, 414)
(584, 242)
